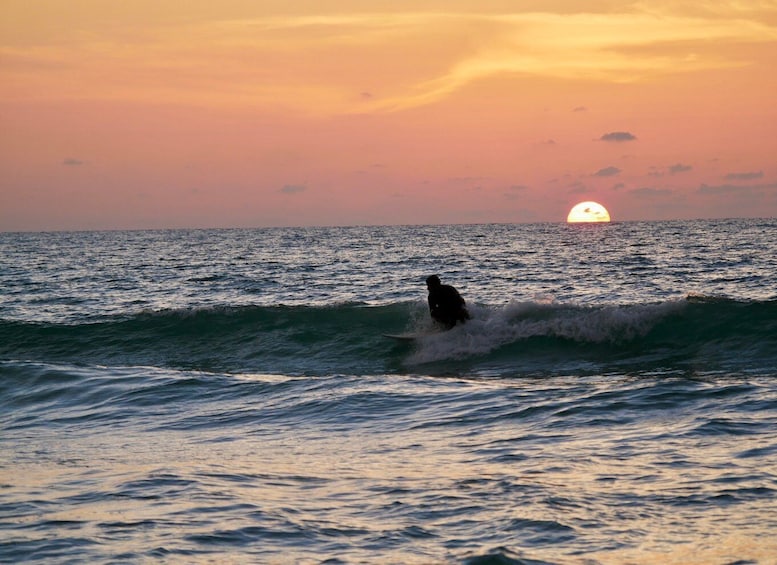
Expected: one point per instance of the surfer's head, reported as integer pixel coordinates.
(432, 281)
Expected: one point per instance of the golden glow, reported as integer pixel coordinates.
(264, 58)
(588, 212)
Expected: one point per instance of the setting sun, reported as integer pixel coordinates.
(588, 212)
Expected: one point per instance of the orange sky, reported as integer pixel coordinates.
(139, 114)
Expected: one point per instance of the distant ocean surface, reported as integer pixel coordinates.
(228, 396)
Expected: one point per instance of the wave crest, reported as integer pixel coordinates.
(704, 332)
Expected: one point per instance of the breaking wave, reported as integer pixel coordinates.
(701, 334)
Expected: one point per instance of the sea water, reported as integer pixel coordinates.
(228, 396)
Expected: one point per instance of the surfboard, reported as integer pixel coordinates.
(406, 336)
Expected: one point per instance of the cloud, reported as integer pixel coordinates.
(626, 46)
(745, 176)
(629, 42)
(514, 191)
(580, 109)
(720, 189)
(71, 162)
(475, 182)
(679, 168)
(648, 192)
(672, 170)
(578, 188)
(607, 172)
(293, 189)
(618, 136)
(735, 189)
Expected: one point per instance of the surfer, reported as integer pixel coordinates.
(445, 303)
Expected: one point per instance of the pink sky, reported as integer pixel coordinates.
(138, 114)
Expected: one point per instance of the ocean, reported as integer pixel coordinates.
(229, 396)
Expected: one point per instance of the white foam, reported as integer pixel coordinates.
(493, 327)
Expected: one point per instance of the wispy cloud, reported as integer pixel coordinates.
(267, 58)
(618, 136)
(516, 191)
(614, 47)
(736, 188)
(578, 188)
(679, 168)
(650, 192)
(754, 175)
(607, 172)
(71, 162)
(671, 170)
(293, 189)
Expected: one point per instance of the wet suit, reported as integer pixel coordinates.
(445, 303)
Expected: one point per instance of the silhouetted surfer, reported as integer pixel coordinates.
(445, 303)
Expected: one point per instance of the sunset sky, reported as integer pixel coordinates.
(246, 113)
